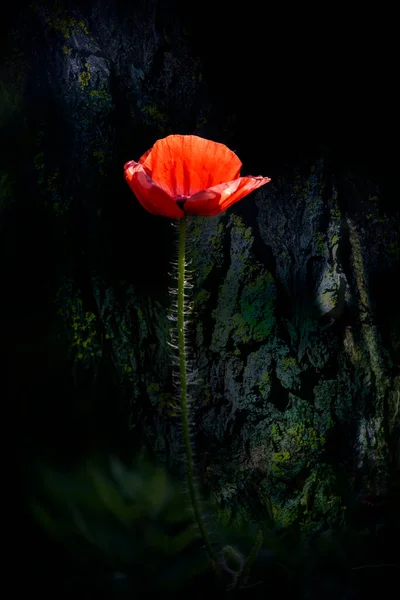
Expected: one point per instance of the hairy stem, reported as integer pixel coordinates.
(183, 398)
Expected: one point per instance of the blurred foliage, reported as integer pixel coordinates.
(129, 531)
(133, 521)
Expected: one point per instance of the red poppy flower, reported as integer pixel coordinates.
(187, 174)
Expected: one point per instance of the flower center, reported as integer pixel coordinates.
(180, 200)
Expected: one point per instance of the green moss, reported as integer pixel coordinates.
(264, 384)
(167, 403)
(275, 431)
(266, 377)
(236, 520)
(288, 363)
(196, 231)
(285, 515)
(58, 19)
(257, 304)
(241, 330)
(306, 437)
(278, 460)
(82, 325)
(153, 387)
(328, 300)
(217, 239)
(319, 242)
(127, 371)
(154, 113)
(246, 232)
(335, 239)
(281, 457)
(100, 97)
(335, 213)
(84, 77)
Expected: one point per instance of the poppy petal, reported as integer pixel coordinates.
(217, 199)
(184, 165)
(144, 156)
(153, 198)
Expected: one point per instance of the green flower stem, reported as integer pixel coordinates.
(183, 399)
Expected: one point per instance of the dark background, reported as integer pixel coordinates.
(298, 79)
(301, 83)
